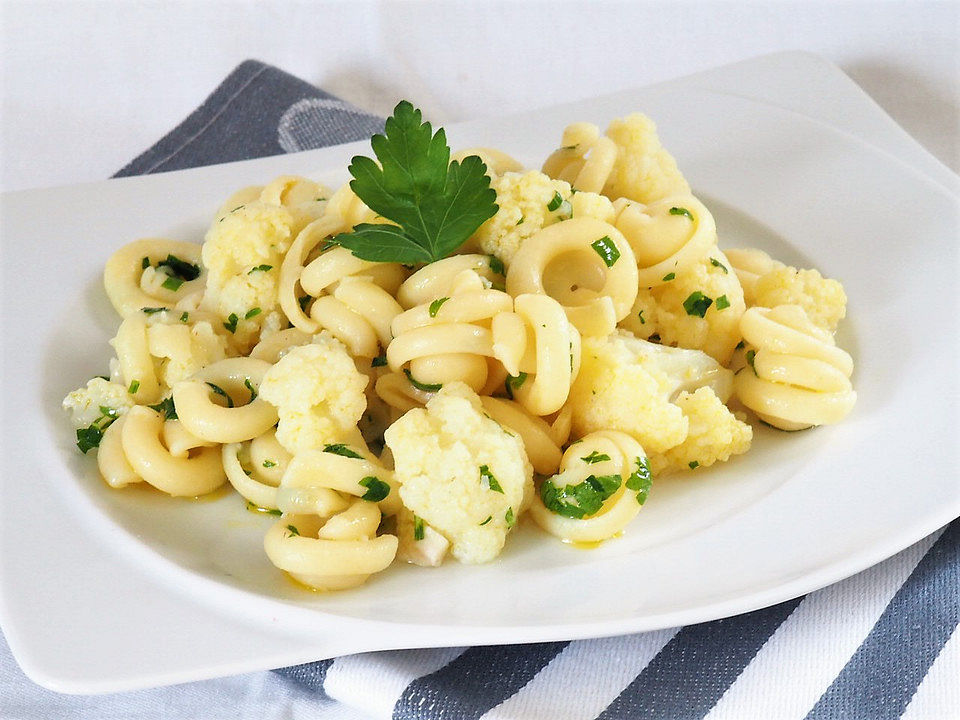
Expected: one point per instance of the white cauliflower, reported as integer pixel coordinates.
(529, 202)
(243, 251)
(183, 349)
(715, 434)
(644, 170)
(84, 403)
(318, 393)
(461, 472)
(823, 298)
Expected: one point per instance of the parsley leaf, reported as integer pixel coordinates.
(417, 527)
(496, 265)
(293, 530)
(750, 356)
(555, 202)
(341, 449)
(435, 204)
(231, 323)
(251, 388)
(260, 268)
(595, 457)
(513, 382)
(669, 276)
(489, 518)
(717, 263)
(580, 500)
(179, 269)
(379, 361)
(681, 211)
(253, 507)
(171, 283)
(426, 387)
(377, 489)
(722, 302)
(641, 480)
(607, 250)
(436, 305)
(217, 390)
(134, 386)
(269, 463)
(509, 517)
(492, 482)
(697, 303)
(166, 408)
(693, 464)
(153, 310)
(252, 312)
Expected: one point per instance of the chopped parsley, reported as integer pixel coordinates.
(607, 250)
(697, 303)
(492, 483)
(509, 517)
(217, 390)
(303, 301)
(253, 312)
(555, 202)
(231, 323)
(90, 436)
(153, 310)
(580, 500)
(343, 450)
(253, 507)
(184, 317)
(417, 527)
(145, 263)
(249, 386)
(751, 356)
(425, 387)
(260, 268)
(717, 263)
(180, 269)
(513, 382)
(436, 305)
(489, 518)
(377, 489)
(681, 211)
(435, 204)
(166, 408)
(693, 464)
(722, 303)
(641, 480)
(595, 457)
(496, 265)
(669, 276)
(640, 315)
(173, 284)
(740, 345)
(269, 463)
(293, 531)
(379, 361)
(520, 221)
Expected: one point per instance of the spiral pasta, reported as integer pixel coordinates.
(133, 281)
(796, 377)
(603, 481)
(585, 160)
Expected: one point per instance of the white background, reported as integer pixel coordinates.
(86, 86)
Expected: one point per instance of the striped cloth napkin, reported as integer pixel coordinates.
(882, 644)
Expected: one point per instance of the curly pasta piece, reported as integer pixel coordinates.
(266, 459)
(750, 264)
(436, 280)
(585, 159)
(539, 438)
(497, 161)
(189, 476)
(797, 377)
(586, 265)
(603, 481)
(133, 282)
(237, 378)
(291, 269)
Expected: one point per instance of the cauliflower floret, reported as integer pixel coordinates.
(822, 298)
(418, 543)
(318, 393)
(461, 472)
(675, 309)
(616, 389)
(184, 349)
(84, 403)
(644, 170)
(525, 201)
(715, 434)
(242, 252)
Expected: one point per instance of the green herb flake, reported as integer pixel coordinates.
(681, 211)
(751, 357)
(260, 268)
(303, 301)
(231, 323)
(555, 202)
(417, 527)
(697, 303)
(669, 276)
(253, 312)
(293, 531)
(249, 386)
(89, 437)
(740, 345)
(343, 450)
(180, 269)
(379, 361)
(217, 390)
(377, 489)
(580, 500)
(166, 408)
(722, 303)
(693, 465)
(492, 482)
(641, 480)
(520, 221)
(184, 317)
(607, 250)
(640, 315)
(595, 457)
(253, 507)
(435, 204)
(489, 518)
(509, 517)
(496, 265)
(436, 305)
(134, 386)
(269, 463)
(145, 263)
(717, 263)
(173, 284)
(425, 387)
(514, 382)
(153, 310)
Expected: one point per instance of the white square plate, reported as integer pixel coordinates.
(104, 590)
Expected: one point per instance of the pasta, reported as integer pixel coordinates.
(403, 368)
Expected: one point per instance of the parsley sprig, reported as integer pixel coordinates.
(435, 204)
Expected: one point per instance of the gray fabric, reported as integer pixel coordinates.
(258, 111)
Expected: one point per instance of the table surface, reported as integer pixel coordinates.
(86, 86)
